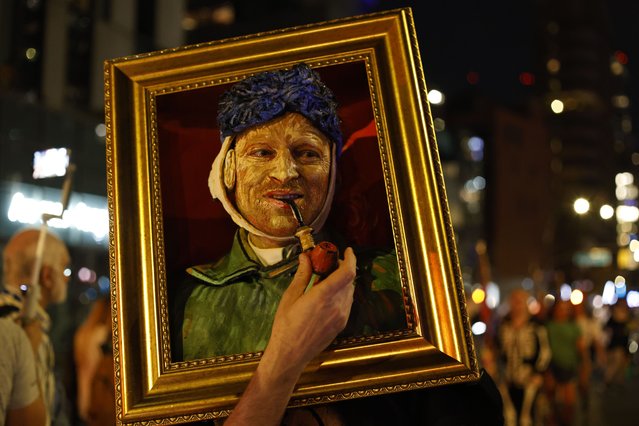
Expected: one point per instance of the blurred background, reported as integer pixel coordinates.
(534, 103)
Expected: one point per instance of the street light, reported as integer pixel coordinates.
(628, 214)
(581, 206)
(435, 97)
(557, 106)
(606, 211)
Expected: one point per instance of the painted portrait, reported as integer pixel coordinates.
(285, 135)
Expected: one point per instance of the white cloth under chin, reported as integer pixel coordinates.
(268, 256)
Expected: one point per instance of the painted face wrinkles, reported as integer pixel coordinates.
(284, 158)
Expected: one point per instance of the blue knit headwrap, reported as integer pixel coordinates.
(267, 95)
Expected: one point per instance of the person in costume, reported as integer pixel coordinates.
(280, 141)
(525, 354)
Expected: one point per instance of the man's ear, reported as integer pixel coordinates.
(229, 170)
(46, 277)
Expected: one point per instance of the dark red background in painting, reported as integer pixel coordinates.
(196, 227)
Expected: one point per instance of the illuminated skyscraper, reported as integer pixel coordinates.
(580, 84)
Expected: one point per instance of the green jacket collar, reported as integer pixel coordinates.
(241, 262)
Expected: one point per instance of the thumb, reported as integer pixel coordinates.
(301, 279)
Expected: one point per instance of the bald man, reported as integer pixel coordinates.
(19, 258)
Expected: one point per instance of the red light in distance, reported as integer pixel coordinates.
(621, 57)
(472, 77)
(527, 79)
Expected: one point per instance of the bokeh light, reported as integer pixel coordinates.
(632, 299)
(478, 295)
(564, 292)
(627, 214)
(549, 300)
(478, 328)
(553, 65)
(30, 53)
(557, 106)
(86, 275)
(606, 211)
(472, 77)
(100, 130)
(597, 301)
(435, 97)
(581, 206)
(576, 297)
(621, 57)
(527, 79)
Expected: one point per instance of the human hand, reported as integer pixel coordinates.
(306, 323)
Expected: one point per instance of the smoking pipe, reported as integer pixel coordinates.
(323, 255)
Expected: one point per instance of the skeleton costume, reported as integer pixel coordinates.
(526, 352)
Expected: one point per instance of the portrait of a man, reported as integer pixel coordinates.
(277, 170)
(279, 229)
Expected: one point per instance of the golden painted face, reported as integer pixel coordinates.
(284, 158)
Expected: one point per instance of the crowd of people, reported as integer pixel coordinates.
(545, 363)
(31, 393)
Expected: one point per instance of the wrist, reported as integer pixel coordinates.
(278, 367)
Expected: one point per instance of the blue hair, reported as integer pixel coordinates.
(268, 95)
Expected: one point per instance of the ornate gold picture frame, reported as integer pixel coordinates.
(161, 138)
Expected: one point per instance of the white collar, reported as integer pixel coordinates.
(267, 256)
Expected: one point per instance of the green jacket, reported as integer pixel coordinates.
(229, 305)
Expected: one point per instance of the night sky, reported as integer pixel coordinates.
(496, 40)
(459, 37)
